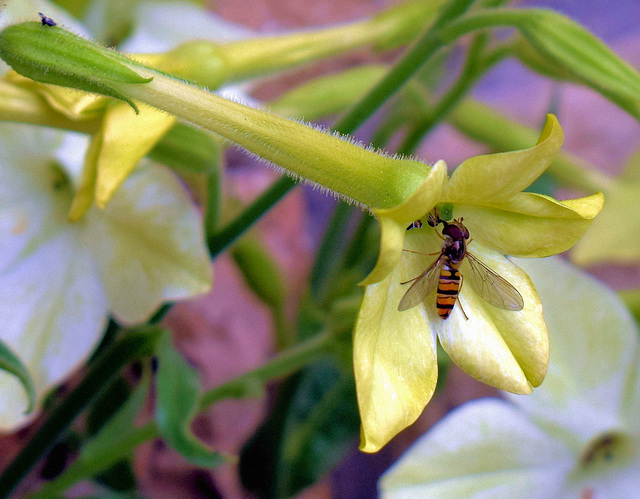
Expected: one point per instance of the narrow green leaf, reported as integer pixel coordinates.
(117, 428)
(11, 363)
(178, 397)
(260, 271)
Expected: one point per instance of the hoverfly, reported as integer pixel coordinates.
(444, 275)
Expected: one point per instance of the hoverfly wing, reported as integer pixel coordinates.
(422, 286)
(492, 287)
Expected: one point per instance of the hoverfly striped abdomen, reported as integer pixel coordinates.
(448, 289)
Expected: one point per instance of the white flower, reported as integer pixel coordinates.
(59, 281)
(578, 435)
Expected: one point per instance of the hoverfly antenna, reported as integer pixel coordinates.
(434, 218)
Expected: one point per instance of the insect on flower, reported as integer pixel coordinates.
(46, 21)
(444, 275)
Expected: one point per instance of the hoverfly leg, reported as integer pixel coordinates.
(462, 308)
(421, 253)
(458, 297)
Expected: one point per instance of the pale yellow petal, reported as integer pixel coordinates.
(126, 138)
(395, 364)
(499, 176)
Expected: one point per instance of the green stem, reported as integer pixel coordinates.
(133, 345)
(475, 66)
(404, 69)
(492, 18)
(81, 470)
(251, 214)
(328, 253)
(281, 365)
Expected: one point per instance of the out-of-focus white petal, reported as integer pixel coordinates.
(484, 449)
(149, 245)
(594, 354)
(160, 26)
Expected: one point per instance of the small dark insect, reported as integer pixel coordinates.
(46, 21)
(417, 224)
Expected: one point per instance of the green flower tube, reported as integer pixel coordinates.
(355, 173)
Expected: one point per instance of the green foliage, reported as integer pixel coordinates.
(314, 423)
(178, 395)
(12, 364)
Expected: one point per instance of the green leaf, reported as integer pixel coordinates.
(178, 396)
(11, 363)
(310, 430)
(260, 272)
(117, 429)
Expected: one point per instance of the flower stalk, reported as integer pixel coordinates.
(357, 174)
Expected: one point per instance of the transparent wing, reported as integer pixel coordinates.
(492, 287)
(422, 286)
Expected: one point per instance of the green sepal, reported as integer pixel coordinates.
(11, 363)
(49, 54)
(178, 397)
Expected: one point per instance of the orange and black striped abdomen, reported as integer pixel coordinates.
(448, 289)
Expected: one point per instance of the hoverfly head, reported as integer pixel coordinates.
(455, 230)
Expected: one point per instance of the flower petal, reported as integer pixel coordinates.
(149, 243)
(394, 221)
(503, 348)
(530, 225)
(68, 102)
(126, 138)
(52, 306)
(500, 176)
(394, 358)
(615, 233)
(592, 385)
(484, 449)
(53, 311)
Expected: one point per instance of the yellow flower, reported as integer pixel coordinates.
(395, 360)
